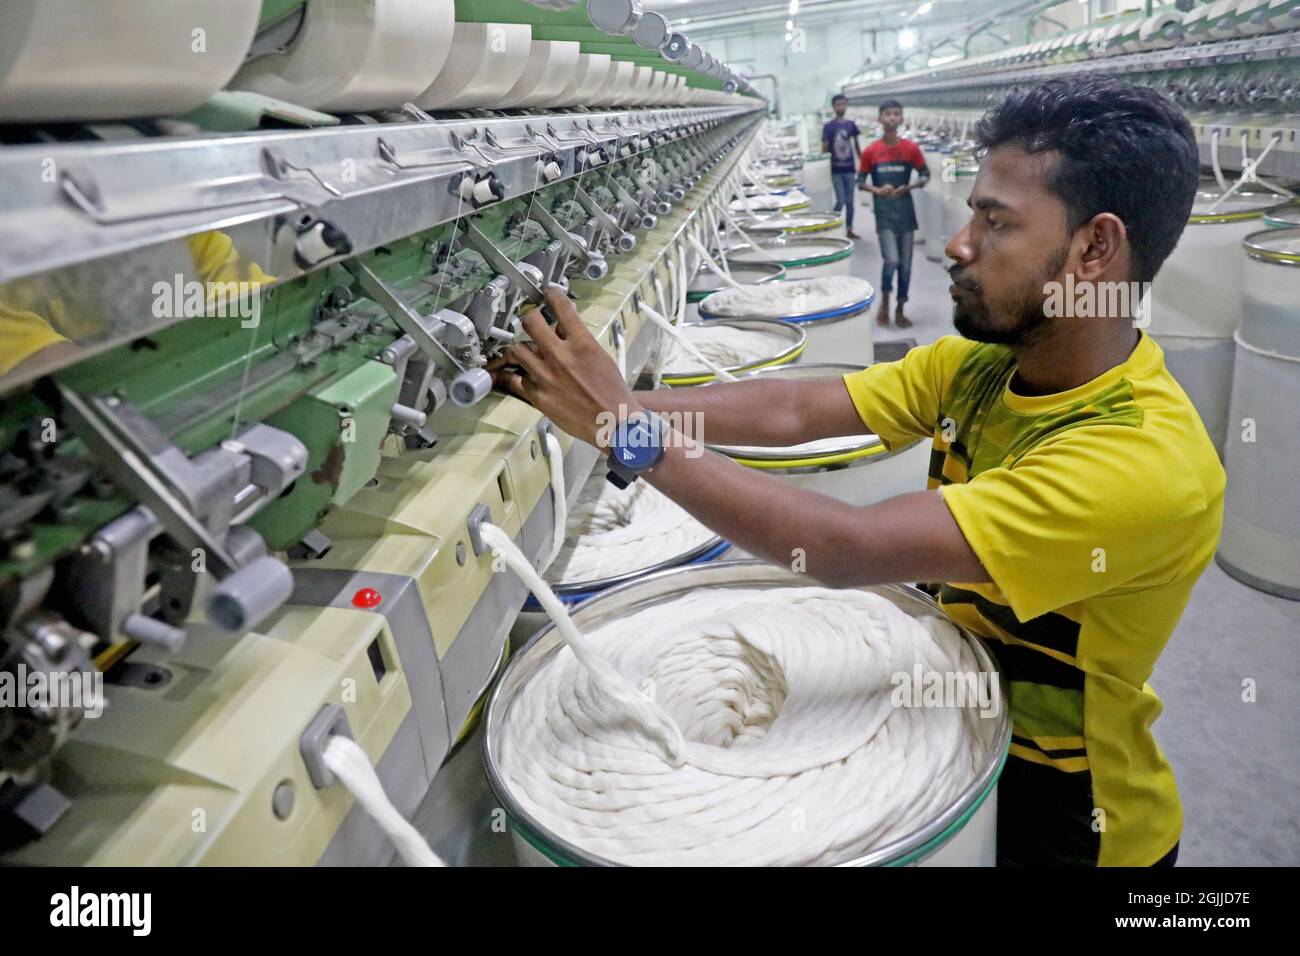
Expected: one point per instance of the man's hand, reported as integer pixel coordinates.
(565, 374)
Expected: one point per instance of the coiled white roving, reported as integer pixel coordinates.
(724, 345)
(792, 297)
(613, 531)
(795, 752)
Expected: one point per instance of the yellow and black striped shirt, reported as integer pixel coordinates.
(1094, 511)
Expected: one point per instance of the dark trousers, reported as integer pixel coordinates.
(845, 187)
(896, 253)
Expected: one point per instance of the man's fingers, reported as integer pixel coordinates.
(543, 335)
(524, 357)
(511, 381)
(567, 320)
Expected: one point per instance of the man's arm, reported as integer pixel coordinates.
(763, 411)
(566, 375)
(911, 537)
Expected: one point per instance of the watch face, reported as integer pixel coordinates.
(636, 445)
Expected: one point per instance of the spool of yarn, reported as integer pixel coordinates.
(352, 56)
(588, 77)
(483, 63)
(616, 83)
(550, 66)
(71, 60)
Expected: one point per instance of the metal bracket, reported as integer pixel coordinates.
(331, 721)
(593, 209)
(499, 261)
(477, 517)
(407, 319)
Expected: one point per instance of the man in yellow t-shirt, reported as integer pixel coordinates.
(1075, 496)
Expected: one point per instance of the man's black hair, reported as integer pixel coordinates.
(837, 97)
(889, 105)
(1123, 149)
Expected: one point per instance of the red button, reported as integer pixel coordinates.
(367, 598)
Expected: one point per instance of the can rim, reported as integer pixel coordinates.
(799, 342)
(1276, 256)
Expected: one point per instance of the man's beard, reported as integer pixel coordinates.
(971, 317)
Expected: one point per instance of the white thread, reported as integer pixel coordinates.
(559, 496)
(707, 261)
(686, 344)
(347, 761)
(628, 703)
(612, 531)
(723, 346)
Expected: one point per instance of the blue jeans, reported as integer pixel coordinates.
(845, 189)
(896, 251)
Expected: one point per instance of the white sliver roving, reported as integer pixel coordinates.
(724, 345)
(794, 751)
(613, 531)
(792, 297)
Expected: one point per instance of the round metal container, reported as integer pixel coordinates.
(840, 469)
(706, 282)
(1195, 302)
(835, 336)
(738, 207)
(965, 834)
(1260, 543)
(796, 342)
(1286, 216)
(798, 224)
(803, 257)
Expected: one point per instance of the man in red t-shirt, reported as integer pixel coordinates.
(889, 162)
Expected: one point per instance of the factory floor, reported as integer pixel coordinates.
(1237, 763)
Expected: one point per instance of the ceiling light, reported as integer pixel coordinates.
(924, 8)
(906, 39)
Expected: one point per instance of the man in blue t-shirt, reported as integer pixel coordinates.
(840, 139)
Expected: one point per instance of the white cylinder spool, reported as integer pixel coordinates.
(1260, 544)
(550, 66)
(1195, 303)
(617, 83)
(484, 62)
(588, 78)
(351, 57)
(70, 60)
(1160, 31)
(1252, 17)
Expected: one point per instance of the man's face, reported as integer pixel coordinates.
(839, 106)
(1014, 244)
(891, 119)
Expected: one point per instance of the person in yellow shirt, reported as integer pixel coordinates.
(1074, 495)
(40, 329)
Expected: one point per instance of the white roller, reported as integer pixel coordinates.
(484, 62)
(551, 65)
(616, 83)
(72, 60)
(357, 56)
(1252, 17)
(1284, 14)
(588, 77)
(1160, 31)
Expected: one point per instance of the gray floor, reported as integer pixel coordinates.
(1238, 763)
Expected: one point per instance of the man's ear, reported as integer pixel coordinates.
(1102, 244)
